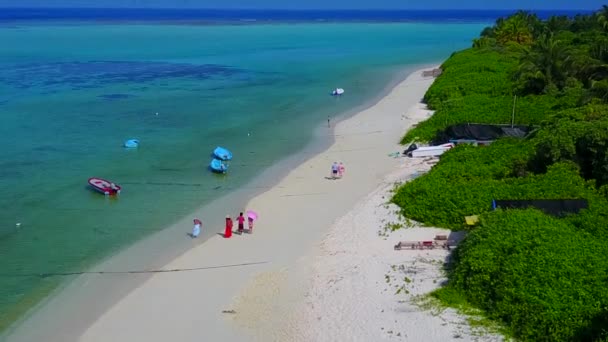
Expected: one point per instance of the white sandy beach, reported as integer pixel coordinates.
(294, 289)
(357, 288)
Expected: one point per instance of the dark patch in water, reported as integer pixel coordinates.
(111, 97)
(94, 74)
(46, 148)
(6, 174)
(16, 164)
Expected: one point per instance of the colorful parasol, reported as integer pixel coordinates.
(252, 215)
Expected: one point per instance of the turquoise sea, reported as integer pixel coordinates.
(72, 92)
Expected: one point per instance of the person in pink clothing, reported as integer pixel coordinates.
(250, 222)
(241, 221)
(341, 169)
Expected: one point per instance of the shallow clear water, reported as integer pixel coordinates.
(71, 94)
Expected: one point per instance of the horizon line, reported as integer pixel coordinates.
(303, 9)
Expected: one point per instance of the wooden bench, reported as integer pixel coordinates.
(445, 244)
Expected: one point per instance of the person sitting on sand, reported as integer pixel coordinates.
(228, 231)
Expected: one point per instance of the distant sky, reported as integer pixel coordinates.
(318, 4)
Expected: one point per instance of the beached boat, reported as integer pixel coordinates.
(222, 153)
(218, 166)
(103, 186)
(337, 91)
(431, 151)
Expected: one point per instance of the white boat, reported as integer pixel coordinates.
(431, 151)
(337, 91)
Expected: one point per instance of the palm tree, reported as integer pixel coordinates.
(514, 29)
(557, 23)
(582, 23)
(543, 65)
(602, 17)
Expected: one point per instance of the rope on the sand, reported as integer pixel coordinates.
(309, 194)
(216, 187)
(45, 275)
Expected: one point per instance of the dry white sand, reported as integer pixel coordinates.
(240, 303)
(358, 288)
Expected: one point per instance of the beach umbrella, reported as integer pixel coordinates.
(252, 215)
(197, 221)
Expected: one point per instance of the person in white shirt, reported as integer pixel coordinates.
(196, 230)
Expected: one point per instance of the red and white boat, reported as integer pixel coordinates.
(104, 186)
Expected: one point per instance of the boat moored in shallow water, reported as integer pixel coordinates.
(222, 153)
(337, 92)
(104, 186)
(131, 143)
(218, 166)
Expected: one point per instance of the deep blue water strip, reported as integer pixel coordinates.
(220, 15)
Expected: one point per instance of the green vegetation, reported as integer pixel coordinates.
(541, 277)
(551, 287)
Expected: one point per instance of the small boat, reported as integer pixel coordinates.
(337, 92)
(131, 143)
(218, 166)
(431, 151)
(222, 153)
(104, 186)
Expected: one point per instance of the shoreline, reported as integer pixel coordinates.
(73, 295)
(293, 216)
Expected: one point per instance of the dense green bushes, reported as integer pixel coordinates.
(543, 278)
(477, 91)
(471, 88)
(467, 180)
(583, 142)
(473, 71)
(538, 275)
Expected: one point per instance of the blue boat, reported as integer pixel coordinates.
(222, 153)
(131, 143)
(218, 166)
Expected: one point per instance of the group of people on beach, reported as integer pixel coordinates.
(241, 225)
(196, 230)
(337, 170)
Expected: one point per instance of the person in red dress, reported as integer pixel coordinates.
(241, 221)
(228, 232)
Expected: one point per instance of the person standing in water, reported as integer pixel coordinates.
(328, 124)
(228, 230)
(241, 221)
